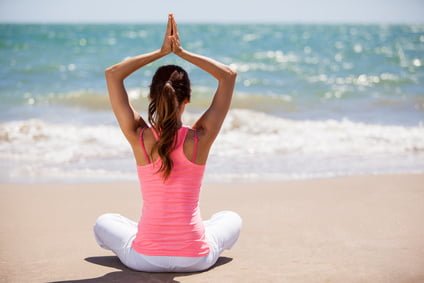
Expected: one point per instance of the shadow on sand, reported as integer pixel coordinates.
(128, 275)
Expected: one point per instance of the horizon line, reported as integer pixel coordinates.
(242, 22)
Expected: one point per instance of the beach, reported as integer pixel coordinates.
(321, 153)
(345, 229)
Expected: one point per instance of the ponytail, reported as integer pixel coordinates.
(163, 116)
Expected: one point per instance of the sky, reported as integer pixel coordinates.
(227, 11)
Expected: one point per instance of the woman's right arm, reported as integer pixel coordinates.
(211, 121)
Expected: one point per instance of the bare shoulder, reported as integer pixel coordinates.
(204, 139)
(148, 137)
(205, 135)
(195, 132)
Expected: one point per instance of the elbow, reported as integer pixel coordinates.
(109, 71)
(231, 74)
(228, 76)
(112, 72)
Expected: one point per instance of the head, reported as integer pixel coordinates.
(169, 92)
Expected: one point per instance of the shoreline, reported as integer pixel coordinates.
(208, 180)
(342, 229)
(273, 148)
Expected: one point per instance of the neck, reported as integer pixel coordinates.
(179, 120)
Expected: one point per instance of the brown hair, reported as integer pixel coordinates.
(169, 88)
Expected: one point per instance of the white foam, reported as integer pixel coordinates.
(250, 132)
(42, 142)
(251, 144)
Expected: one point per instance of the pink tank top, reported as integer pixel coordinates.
(170, 223)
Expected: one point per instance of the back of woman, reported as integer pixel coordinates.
(171, 220)
(171, 158)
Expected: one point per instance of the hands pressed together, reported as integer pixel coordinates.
(171, 41)
(212, 119)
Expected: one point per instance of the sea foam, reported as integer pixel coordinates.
(251, 144)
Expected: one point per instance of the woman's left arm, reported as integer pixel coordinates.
(129, 120)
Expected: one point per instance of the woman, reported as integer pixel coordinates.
(171, 158)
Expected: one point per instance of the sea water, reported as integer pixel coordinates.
(310, 100)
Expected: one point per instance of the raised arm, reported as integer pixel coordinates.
(211, 121)
(129, 120)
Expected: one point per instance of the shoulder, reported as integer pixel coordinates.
(143, 133)
(192, 131)
(202, 134)
(149, 134)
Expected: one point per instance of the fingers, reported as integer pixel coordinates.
(174, 26)
(169, 25)
(173, 38)
(173, 43)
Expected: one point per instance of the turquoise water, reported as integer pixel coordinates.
(352, 95)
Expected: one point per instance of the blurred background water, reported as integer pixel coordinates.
(310, 100)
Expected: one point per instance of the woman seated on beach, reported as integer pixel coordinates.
(171, 158)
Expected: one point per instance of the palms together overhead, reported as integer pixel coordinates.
(171, 41)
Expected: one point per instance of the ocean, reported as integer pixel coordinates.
(311, 101)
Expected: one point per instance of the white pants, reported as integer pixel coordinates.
(115, 232)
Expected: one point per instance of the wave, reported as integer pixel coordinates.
(251, 144)
(201, 98)
(42, 142)
(389, 108)
(269, 134)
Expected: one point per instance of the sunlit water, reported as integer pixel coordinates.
(310, 101)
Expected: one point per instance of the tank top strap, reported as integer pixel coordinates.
(143, 147)
(182, 133)
(155, 134)
(196, 141)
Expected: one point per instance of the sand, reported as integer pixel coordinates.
(348, 229)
